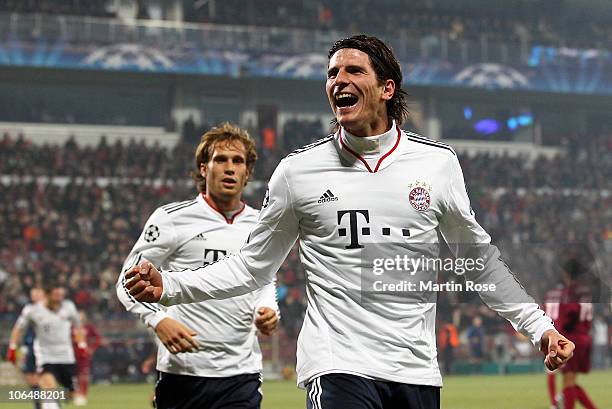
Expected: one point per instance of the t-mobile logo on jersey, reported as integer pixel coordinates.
(213, 255)
(355, 228)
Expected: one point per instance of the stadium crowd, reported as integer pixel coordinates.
(585, 165)
(75, 212)
(542, 23)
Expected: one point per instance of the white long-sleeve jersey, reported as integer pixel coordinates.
(341, 196)
(53, 341)
(192, 234)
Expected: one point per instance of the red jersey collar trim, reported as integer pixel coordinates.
(358, 156)
(212, 205)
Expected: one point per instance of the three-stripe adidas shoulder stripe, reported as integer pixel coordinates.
(426, 141)
(173, 207)
(328, 138)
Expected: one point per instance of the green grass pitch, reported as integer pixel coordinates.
(459, 392)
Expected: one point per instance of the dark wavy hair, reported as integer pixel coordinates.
(385, 66)
(50, 284)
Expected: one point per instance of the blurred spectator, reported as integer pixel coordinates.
(142, 10)
(448, 340)
(188, 131)
(292, 312)
(600, 343)
(475, 336)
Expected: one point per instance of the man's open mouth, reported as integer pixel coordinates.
(345, 99)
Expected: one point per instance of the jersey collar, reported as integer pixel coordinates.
(371, 153)
(209, 205)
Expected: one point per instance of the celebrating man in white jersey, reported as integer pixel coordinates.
(359, 201)
(54, 320)
(221, 364)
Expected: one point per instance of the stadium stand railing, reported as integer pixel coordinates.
(89, 135)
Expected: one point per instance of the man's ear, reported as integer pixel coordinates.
(388, 89)
(203, 170)
(248, 177)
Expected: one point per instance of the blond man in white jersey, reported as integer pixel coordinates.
(369, 190)
(211, 357)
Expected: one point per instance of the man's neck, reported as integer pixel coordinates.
(225, 205)
(51, 307)
(377, 128)
(371, 146)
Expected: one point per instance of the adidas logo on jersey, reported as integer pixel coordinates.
(328, 196)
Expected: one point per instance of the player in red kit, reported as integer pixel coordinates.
(83, 359)
(573, 316)
(552, 300)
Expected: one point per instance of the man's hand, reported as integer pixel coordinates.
(148, 364)
(11, 354)
(175, 336)
(266, 320)
(145, 282)
(557, 348)
(82, 352)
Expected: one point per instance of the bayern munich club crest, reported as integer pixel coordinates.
(419, 196)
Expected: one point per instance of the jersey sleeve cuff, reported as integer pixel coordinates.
(167, 297)
(155, 318)
(540, 330)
